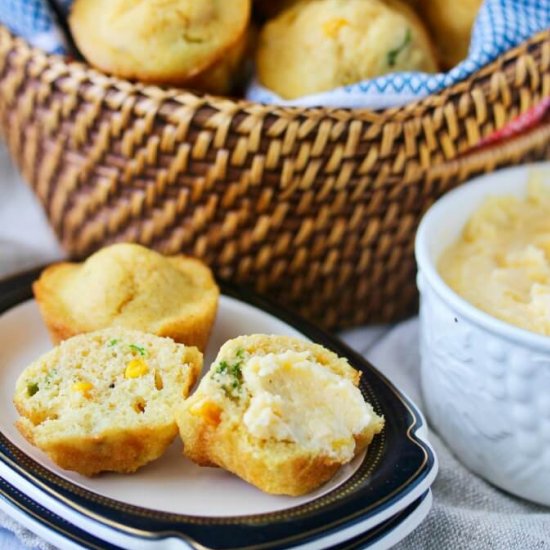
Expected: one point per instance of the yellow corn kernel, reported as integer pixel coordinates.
(338, 444)
(135, 368)
(83, 387)
(208, 411)
(332, 27)
(287, 365)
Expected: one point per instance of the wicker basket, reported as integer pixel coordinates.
(317, 207)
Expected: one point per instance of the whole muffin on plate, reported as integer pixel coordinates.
(104, 401)
(130, 286)
(280, 412)
(318, 45)
(158, 41)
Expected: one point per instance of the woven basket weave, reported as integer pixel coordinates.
(316, 207)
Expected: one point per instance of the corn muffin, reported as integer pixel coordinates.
(450, 24)
(279, 412)
(130, 286)
(158, 41)
(104, 401)
(318, 45)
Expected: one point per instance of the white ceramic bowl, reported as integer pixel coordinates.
(486, 383)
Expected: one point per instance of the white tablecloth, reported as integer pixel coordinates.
(468, 513)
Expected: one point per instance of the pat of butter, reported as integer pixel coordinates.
(501, 263)
(295, 399)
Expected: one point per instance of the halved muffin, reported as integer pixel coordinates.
(104, 401)
(282, 413)
(130, 286)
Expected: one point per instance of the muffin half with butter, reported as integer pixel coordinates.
(104, 401)
(127, 285)
(280, 412)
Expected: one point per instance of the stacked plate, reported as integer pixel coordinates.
(373, 502)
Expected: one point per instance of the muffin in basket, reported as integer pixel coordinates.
(281, 413)
(130, 286)
(318, 45)
(158, 41)
(103, 401)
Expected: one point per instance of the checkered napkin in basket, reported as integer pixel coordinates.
(37, 22)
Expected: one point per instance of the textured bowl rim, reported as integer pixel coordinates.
(427, 267)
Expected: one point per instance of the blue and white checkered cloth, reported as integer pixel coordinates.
(499, 26)
(36, 22)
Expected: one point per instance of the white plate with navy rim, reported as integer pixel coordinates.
(173, 503)
(64, 534)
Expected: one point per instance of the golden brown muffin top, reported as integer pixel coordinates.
(163, 41)
(316, 45)
(129, 285)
